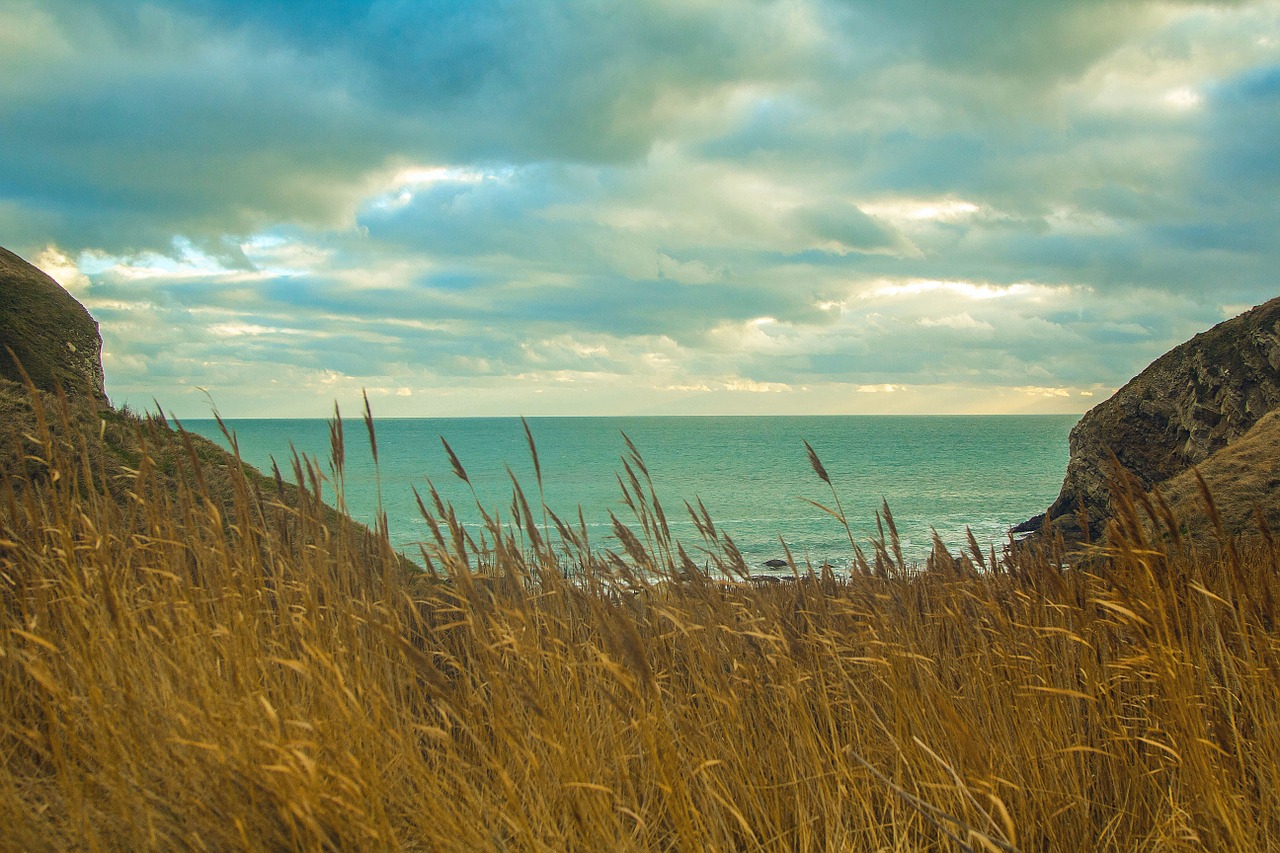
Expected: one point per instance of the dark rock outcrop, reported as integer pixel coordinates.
(52, 335)
(1187, 405)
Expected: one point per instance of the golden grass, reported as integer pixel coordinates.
(178, 672)
(1245, 477)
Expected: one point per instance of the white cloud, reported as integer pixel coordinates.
(963, 321)
(752, 387)
(63, 270)
(1183, 98)
(1039, 391)
(965, 289)
(906, 211)
(236, 330)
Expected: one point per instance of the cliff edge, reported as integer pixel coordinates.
(54, 338)
(1190, 403)
(58, 345)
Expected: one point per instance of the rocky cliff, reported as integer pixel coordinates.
(52, 335)
(58, 345)
(1188, 404)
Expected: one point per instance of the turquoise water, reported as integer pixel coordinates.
(943, 472)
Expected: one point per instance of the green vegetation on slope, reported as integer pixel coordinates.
(175, 680)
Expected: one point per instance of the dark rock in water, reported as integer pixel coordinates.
(52, 335)
(776, 564)
(1188, 404)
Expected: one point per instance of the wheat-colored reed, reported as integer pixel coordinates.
(187, 670)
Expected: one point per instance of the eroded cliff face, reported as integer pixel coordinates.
(52, 334)
(1188, 404)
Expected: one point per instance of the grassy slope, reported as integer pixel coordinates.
(114, 451)
(172, 681)
(1244, 479)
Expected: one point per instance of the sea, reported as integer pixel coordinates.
(948, 474)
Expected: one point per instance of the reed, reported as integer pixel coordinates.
(191, 661)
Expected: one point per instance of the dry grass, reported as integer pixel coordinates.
(1244, 475)
(173, 679)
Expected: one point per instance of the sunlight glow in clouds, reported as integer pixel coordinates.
(965, 289)
(1183, 98)
(236, 330)
(916, 210)
(406, 183)
(63, 270)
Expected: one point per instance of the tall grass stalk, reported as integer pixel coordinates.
(181, 669)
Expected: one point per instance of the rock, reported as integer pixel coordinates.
(1190, 403)
(52, 334)
(775, 564)
(58, 344)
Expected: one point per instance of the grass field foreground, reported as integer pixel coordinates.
(185, 672)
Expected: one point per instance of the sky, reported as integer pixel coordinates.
(582, 207)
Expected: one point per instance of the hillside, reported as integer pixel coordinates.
(51, 334)
(1190, 403)
(1243, 478)
(112, 451)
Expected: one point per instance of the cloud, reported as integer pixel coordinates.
(842, 228)
(211, 118)
(962, 322)
(659, 205)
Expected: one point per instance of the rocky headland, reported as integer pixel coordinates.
(57, 345)
(51, 335)
(1187, 409)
